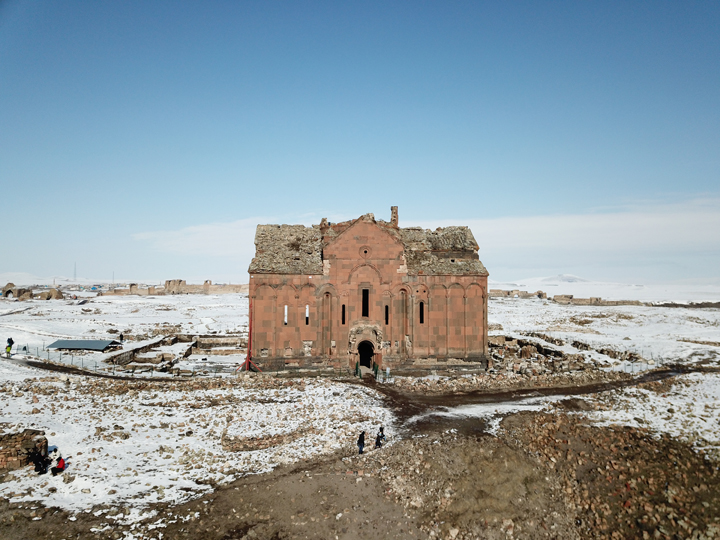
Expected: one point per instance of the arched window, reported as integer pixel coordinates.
(343, 314)
(307, 314)
(387, 315)
(422, 312)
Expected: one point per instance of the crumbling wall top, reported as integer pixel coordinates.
(287, 249)
(296, 249)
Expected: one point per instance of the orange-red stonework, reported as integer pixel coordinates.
(366, 291)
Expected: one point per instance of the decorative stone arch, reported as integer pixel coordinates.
(361, 265)
(438, 290)
(325, 289)
(364, 332)
(311, 286)
(271, 292)
(399, 288)
(471, 288)
(282, 286)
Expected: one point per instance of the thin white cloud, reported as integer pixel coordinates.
(233, 240)
(676, 236)
(690, 226)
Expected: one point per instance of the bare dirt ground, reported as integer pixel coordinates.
(543, 476)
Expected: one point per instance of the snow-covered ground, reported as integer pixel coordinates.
(127, 447)
(670, 334)
(689, 410)
(583, 288)
(42, 321)
(35, 324)
(129, 469)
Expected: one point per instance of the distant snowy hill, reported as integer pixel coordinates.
(583, 288)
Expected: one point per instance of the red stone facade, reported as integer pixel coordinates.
(366, 291)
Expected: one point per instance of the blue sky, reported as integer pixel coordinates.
(148, 138)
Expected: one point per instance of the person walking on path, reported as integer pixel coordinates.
(361, 442)
(10, 343)
(380, 438)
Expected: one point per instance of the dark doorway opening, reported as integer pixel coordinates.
(366, 351)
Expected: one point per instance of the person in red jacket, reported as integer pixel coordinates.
(58, 463)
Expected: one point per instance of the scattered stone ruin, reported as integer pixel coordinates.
(178, 286)
(11, 291)
(593, 301)
(500, 293)
(567, 299)
(15, 448)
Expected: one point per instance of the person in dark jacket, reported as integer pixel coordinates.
(380, 438)
(40, 461)
(361, 442)
(10, 343)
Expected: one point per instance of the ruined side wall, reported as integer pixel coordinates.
(15, 447)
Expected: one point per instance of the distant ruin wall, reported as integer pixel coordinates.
(566, 299)
(178, 286)
(500, 293)
(593, 301)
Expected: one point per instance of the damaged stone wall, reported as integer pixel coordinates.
(11, 291)
(15, 448)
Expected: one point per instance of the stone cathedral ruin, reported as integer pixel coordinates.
(366, 291)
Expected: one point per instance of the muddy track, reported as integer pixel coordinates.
(408, 404)
(70, 370)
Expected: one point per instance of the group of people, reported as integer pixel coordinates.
(54, 461)
(379, 440)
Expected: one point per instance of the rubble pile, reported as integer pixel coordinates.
(500, 381)
(469, 488)
(623, 482)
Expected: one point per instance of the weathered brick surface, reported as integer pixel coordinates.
(297, 318)
(15, 447)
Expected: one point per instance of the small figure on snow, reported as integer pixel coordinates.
(10, 344)
(361, 442)
(380, 438)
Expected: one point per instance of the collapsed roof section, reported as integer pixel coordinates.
(296, 249)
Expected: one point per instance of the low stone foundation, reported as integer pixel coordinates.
(15, 447)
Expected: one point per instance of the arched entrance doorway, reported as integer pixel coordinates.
(366, 352)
